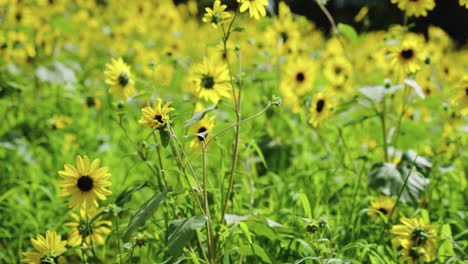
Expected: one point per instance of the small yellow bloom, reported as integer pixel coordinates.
(120, 78)
(217, 15)
(321, 108)
(157, 116)
(460, 98)
(381, 206)
(87, 222)
(49, 249)
(203, 130)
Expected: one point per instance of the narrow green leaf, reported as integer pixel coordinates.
(144, 213)
(304, 202)
(245, 230)
(199, 115)
(238, 29)
(181, 232)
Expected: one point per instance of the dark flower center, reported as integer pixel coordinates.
(124, 79)
(414, 254)
(85, 183)
(320, 105)
(383, 211)
(284, 36)
(428, 91)
(300, 77)
(201, 130)
(18, 17)
(419, 236)
(90, 101)
(338, 70)
(466, 90)
(407, 54)
(158, 118)
(207, 81)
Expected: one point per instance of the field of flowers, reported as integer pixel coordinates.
(150, 132)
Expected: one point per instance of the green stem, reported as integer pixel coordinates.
(180, 155)
(397, 201)
(118, 237)
(384, 128)
(158, 152)
(211, 250)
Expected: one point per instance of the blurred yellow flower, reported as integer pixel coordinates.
(381, 206)
(256, 7)
(321, 108)
(415, 7)
(88, 225)
(49, 249)
(202, 129)
(460, 97)
(211, 80)
(119, 77)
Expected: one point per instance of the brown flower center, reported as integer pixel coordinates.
(300, 77)
(320, 105)
(85, 183)
(407, 54)
(159, 118)
(124, 78)
(207, 81)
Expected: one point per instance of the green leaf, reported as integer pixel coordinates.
(199, 115)
(181, 232)
(165, 137)
(144, 213)
(348, 31)
(446, 248)
(303, 200)
(254, 250)
(126, 195)
(245, 230)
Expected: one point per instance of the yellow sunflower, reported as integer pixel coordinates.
(211, 80)
(460, 98)
(157, 116)
(407, 58)
(415, 7)
(120, 78)
(202, 129)
(91, 227)
(85, 183)
(337, 70)
(415, 233)
(321, 108)
(381, 206)
(49, 249)
(256, 7)
(464, 3)
(217, 15)
(298, 76)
